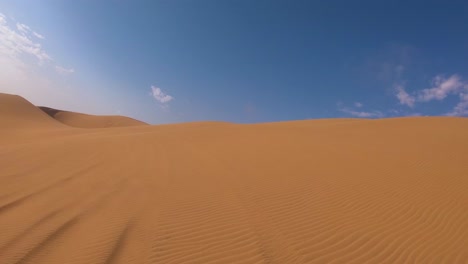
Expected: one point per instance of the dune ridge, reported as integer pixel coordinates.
(17, 112)
(314, 191)
(80, 120)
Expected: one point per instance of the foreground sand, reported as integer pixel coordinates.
(319, 191)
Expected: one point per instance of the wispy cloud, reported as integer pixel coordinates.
(26, 30)
(363, 114)
(441, 88)
(161, 96)
(357, 113)
(403, 96)
(62, 70)
(37, 35)
(23, 28)
(15, 43)
(396, 69)
(27, 69)
(391, 66)
(461, 109)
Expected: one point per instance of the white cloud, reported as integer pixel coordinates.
(361, 114)
(365, 114)
(403, 96)
(26, 30)
(62, 70)
(393, 69)
(38, 35)
(27, 69)
(23, 28)
(441, 88)
(15, 43)
(358, 104)
(160, 96)
(461, 109)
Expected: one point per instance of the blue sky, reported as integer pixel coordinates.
(238, 60)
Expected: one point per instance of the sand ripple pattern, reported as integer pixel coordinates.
(333, 191)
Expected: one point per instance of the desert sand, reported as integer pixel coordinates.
(76, 188)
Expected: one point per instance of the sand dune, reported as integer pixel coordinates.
(17, 112)
(89, 121)
(317, 191)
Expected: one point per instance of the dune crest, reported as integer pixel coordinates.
(17, 112)
(316, 191)
(80, 120)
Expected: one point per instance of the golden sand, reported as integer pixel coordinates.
(316, 191)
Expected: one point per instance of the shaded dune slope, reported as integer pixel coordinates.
(325, 191)
(74, 119)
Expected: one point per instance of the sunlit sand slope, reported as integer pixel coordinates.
(16, 112)
(318, 191)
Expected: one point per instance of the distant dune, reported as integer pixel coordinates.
(315, 191)
(89, 121)
(16, 111)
